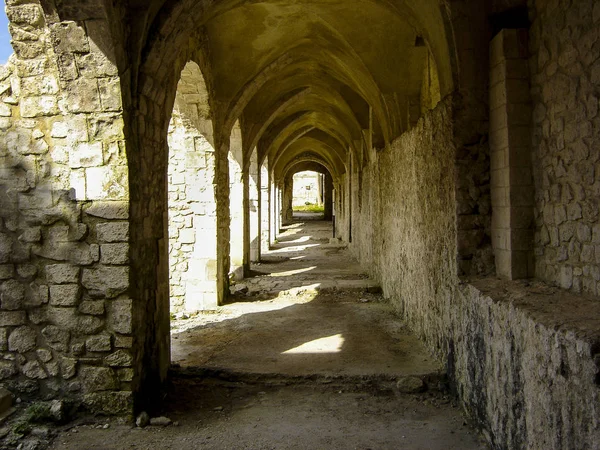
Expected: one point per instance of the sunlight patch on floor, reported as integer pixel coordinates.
(330, 344)
(289, 273)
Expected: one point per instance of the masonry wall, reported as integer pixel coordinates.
(65, 309)
(192, 218)
(407, 221)
(519, 361)
(565, 78)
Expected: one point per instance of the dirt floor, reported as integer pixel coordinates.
(307, 355)
(213, 414)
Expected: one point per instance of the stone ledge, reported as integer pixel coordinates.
(555, 308)
(524, 359)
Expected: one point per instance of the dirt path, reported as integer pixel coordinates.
(220, 416)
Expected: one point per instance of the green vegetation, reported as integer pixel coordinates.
(310, 208)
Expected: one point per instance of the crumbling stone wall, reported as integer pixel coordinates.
(565, 75)
(65, 312)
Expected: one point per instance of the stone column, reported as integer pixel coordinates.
(254, 208)
(264, 207)
(287, 211)
(236, 205)
(511, 176)
(273, 220)
(223, 218)
(328, 197)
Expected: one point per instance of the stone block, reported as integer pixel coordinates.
(108, 281)
(62, 273)
(26, 15)
(120, 313)
(22, 340)
(123, 341)
(12, 318)
(107, 183)
(44, 355)
(69, 37)
(98, 379)
(41, 105)
(99, 343)
(187, 236)
(7, 369)
(57, 337)
(110, 94)
(7, 271)
(64, 294)
(77, 183)
(92, 307)
(120, 358)
(80, 254)
(112, 232)
(68, 367)
(109, 403)
(34, 370)
(83, 96)
(125, 375)
(31, 235)
(12, 295)
(109, 209)
(39, 85)
(566, 277)
(87, 155)
(114, 253)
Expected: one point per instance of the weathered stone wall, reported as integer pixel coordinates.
(407, 221)
(65, 313)
(192, 218)
(523, 357)
(565, 75)
(520, 362)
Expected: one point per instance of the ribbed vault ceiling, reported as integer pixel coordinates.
(321, 77)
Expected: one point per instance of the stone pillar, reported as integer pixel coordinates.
(511, 175)
(287, 211)
(328, 196)
(273, 215)
(223, 218)
(264, 207)
(254, 208)
(236, 204)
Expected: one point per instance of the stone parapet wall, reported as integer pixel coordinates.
(65, 312)
(523, 357)
(565, 75)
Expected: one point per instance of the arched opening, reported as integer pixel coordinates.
(308, 194)
(192, 202)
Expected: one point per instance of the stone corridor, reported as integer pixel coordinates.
(148, 151)
(303, 356)
(309, 314)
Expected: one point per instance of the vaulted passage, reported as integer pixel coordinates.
(151, 154)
